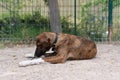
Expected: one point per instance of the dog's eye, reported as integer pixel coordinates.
(40, 45)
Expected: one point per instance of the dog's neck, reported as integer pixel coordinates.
(53, 38)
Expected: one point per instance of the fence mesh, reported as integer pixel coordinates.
(22, 20)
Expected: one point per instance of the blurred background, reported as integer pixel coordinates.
(22, 20)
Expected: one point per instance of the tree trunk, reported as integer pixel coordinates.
(54, 16)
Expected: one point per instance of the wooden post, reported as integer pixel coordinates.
(55, 24)
(75, 30)
(110, 8)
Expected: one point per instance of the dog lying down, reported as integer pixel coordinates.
(58, 48)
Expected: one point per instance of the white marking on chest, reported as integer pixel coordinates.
(50, 51)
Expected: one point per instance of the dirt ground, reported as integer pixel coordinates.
(106, 66)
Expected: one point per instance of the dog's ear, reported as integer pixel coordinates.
(37, 40)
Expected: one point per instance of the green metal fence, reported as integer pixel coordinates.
(22, 20)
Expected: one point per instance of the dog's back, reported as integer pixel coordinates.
(82, 48)
(76, 47)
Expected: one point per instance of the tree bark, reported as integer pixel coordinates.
(55, 24)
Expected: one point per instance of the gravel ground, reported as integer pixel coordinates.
(106, 66)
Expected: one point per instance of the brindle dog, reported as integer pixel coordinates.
(67, 47)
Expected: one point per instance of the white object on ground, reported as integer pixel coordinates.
(29, 55)
(34, 61)
(31, 62)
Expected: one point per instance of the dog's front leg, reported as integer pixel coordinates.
(61, 57)
(55, 59)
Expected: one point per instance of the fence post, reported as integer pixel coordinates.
(54, 16)
(110, 8)
(75, 17)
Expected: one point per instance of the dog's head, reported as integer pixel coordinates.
(42, 45)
